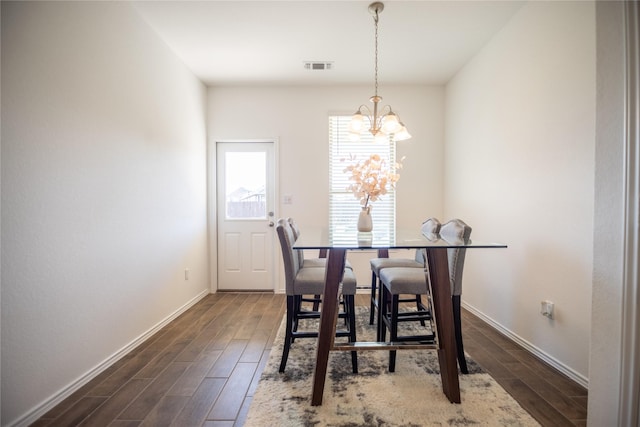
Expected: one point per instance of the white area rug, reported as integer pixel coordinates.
(412, 396)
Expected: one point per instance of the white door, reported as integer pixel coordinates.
(245, 211)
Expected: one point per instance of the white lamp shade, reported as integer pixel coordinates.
(381, 137)
(357, 123)
(391, 124)
(402, 134)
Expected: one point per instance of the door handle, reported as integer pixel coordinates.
(271, 224)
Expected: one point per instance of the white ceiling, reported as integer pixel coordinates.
(267, 42)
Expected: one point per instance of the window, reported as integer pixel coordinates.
(343, 205)
(246, 182)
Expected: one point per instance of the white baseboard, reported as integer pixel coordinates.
(41, 409)
(575, 376)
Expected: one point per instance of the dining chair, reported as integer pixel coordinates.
(401, 280)
(320, 261)
(430, 227)
(301, 281)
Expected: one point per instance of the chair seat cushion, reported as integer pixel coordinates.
(404, 280)
(310, 281)
(322, 263)
(378, 264)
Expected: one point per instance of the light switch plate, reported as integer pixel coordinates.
(546, 309)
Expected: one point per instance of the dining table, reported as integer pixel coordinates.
(340, 238)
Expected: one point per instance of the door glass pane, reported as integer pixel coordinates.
(246, 178)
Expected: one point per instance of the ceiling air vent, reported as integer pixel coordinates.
(312, 65)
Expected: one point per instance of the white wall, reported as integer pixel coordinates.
(298, 117)
(520, 141)
(103, 193)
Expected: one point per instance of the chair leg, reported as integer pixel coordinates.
(383, 296)
(457, 325)
(394, 331)
(297, 307)
(344, 303)
(292, 302)
(418, 307)
(350, 309)
(372, 308)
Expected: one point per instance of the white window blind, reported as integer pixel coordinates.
(344, 207)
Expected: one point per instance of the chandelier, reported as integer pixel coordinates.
(383, 122)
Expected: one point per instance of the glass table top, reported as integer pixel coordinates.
(326, 238)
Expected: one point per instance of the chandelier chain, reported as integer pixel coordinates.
(376, 53)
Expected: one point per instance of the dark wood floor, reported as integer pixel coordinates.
(202, 370)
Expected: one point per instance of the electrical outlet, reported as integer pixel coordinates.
(287, 199)
(546, 309)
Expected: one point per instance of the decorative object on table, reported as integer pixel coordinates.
(412, 396)
(370, 180)
(364, 220)
(383, 123)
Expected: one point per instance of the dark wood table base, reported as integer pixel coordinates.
(443, 314)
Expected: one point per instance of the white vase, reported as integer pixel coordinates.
(364, 220)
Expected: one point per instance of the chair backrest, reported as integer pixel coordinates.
(430, 229)
(296, 233)
(291, 262)
(455, 232)
(294, 227)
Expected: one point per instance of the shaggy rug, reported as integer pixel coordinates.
(412, 396)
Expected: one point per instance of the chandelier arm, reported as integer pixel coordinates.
(370, 117)
(388, 110)
(375, 117)
(366, 109)
(385, 110)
